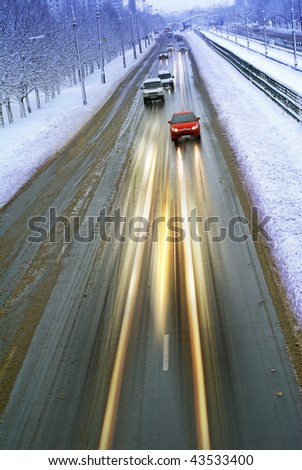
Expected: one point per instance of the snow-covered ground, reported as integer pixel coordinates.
(277, 53)
(279, 63)
(267, 144)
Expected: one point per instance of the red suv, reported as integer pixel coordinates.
(184, 123)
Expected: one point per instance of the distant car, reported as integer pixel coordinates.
(166, 78)
(184, 123)
(153, 90)
(170, 48)
(163, 55)
(182, 48)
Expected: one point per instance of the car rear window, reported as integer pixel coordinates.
(188, 117)
(164, 75)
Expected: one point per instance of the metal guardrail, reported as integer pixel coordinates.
(288, 99)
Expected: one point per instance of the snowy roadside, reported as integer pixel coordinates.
(267, 144)
(277, 53)
(29, 143)
(280, 68)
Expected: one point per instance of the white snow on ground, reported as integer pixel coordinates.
(285, 74)
(26, 144)
(267, 144)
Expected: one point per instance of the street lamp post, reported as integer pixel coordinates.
(247, 30)
(147, 38)
(74, 24)
(122, 43)
(98, 17)
(132, 36)
(294, 32)
(138, 35)
(264, 32)
(235, 26)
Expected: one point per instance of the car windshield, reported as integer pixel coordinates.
(164, 75)
(150, 85)
(187, 117)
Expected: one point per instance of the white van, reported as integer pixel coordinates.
(153, 90)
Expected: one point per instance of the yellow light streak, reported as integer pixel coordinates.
(136, 251)
(161, 271)
(201, 415)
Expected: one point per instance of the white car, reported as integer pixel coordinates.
(166, 78)
(153, 90)
(163, 55)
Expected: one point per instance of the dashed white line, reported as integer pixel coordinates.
(166, 353)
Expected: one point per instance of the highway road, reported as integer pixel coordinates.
(137, 315)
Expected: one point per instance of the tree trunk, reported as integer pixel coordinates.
(58, 89)
(38, 98)
(1, 116)
(22, 107)
(53, 93)
(9, 112)
(47, 98)
(27, 103)
(74, 75)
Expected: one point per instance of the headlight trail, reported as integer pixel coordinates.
(135, 252)
(201, 415)
(162, 253)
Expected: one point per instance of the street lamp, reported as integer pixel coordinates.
(291, 21)
(100, 41)
(247, 29)
(132, 36)
(138, 34)
(122, 43)
(74, 24)
(235, 26)
(264, 32)
(294, 32)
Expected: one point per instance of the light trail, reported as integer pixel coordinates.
(201, 415)
(161, 260)
(135, 252)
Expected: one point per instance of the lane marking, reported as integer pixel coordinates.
(166, 353)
